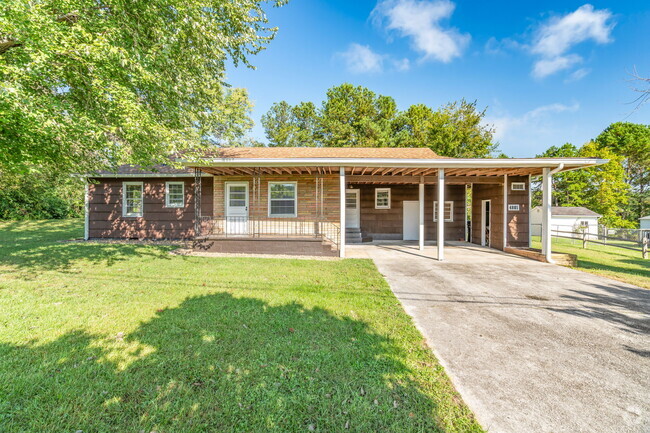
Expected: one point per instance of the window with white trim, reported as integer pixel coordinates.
(132, 199)
(448, 211)
(584, 224)
(518, 186)
(175, 194)
(382, 198)
(283, 199)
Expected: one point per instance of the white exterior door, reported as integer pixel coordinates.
(411, 218)
(236, 208)
(352, 211)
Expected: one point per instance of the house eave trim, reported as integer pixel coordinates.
(394, 162)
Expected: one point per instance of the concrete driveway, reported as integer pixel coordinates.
(531, 347)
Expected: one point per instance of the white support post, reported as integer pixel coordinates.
(86, 213)
(505, 211)
(546, 215)
(441, 214)
(342, 211)
(421, 199)
(529, 209)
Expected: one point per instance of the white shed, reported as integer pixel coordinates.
(566, 219)
(645, 226)
(645, 222)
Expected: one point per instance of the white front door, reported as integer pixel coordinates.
(411, 218)
(352, 211)
(237, 208)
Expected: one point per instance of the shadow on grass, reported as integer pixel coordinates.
(589, 264)
(219, 363)
(40, 245)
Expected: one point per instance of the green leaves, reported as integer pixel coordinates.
(354, 116)
(601, 188)
(632, 142)
(85, 85)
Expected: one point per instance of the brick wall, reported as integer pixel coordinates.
(307, 200)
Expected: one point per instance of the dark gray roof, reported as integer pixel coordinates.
(135, 170)
(573, 211)
(570, 211)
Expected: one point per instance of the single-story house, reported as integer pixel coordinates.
(317, 200)
(574, 219)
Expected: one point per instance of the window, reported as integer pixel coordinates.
(513, 207)
(282, 199)
(382, 198)
(518, 186)
(175, 194)
(584, 224)
(132, 199)
(449, 211)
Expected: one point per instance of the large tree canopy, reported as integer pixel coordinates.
(632, 141)
(89, 83)
(356, 116)
(601, 188)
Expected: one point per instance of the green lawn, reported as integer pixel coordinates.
(128, 338)
(617, 263)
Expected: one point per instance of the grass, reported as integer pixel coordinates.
(128, 338)
(617, 263)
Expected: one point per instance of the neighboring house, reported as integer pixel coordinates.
(295, 200)
(645, 226)
(566, 219)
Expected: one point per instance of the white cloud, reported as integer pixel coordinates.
(420, 20)
(546, 67)
(361, 59)
(578, 74)
(494, 46)
(558, 35)
(531, 123)
(402, 65)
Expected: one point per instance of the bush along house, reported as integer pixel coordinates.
(315, 201)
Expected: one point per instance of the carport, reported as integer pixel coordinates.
(531, 347)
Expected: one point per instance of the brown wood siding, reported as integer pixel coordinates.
(157, 221)
(518, 220)
(388, 223)
(494, 193)
(307, 201)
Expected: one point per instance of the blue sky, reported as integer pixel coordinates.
(549, 72)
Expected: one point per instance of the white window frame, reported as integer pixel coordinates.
(377, 191)
(295, 199)
(513, 208)
(451, 211)
(583, 224)
(132, 214)
(521, 186)
(167, 203)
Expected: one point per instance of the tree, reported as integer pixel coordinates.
(632, 141)
(601, 188)
(455, 130)
(354, 116)
(605, 190)
(278, 123)
(92, 84)
(291, 126)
